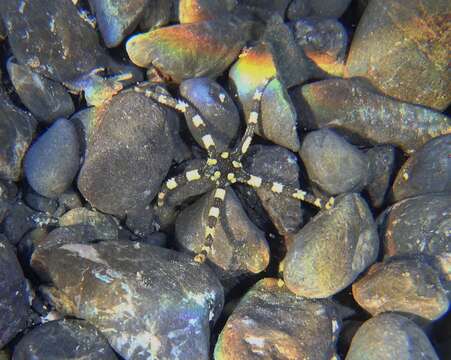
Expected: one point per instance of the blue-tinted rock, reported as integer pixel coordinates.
(53, 160)
(19, 220)
(64, 339)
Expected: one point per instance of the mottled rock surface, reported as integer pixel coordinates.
(333, 164)
(147, 301)
(270, 322)
(53, 160)
(14, 297)
(217, 109)
(330, 251)
(402, 48)
(427, 171)
(239, 246)
(64, 339)
(19, 219)
(390, 336)
(129, 153)
(416, 225)
(46, 99)
(191, 11)
(407, 285)
(16, 132)
(367, 116)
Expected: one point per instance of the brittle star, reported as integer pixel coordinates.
(222, 169)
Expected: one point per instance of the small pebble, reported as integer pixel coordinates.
(53, 160)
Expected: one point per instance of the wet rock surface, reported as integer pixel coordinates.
(128, 155)
(270, 322)
(147, 301)
(53, 160)
(389, 336)
(64, 339)
(330, 251)
(401, 50)
(191, 11)
(14, 297)
(361, 113)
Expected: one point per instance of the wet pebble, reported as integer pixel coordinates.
(38, 202)
(239, 246)
(390, 336)
(400, 47)
(356, 109)
(330, 251)
(416, 225)
(272, 323)
(128, 154)
(216, 107)
(104, 225)
(18, 221)
(185, 51)
(191, 11)
(14, 297)
(427, 171)
(117, 18)
(18, 128)
(275, 163)
(407, 285)
(64, 339)
(46, 99)
(333, 164)
(149, 302)
(156, 14)
(53, 160)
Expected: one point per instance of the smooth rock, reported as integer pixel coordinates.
(239, 246)
(390, 336)
(185, 51)
(330, 251)
(67, 201)
(38, 202)
(401, 47)
(265, 8)
(275, 163)
(46, 99)
(417, 225)
(328, 8)
(407, 285)
(298, 9)
(8, 193)
(427, 171)
(53, 160)
(191, 11)
(14, 297)
(333, 164)
(156, 14)
(26, 246)
(128, 155)
(355, 109)
(383, 165)
(64, 339)
(149, 302)
(52, 38)
(18, 221)
(217, 109)
(272, 323)
(104, 225)
(16, 132)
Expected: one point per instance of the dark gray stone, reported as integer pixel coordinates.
(129, 153)
(64, 339)
(19, 220)
(8, 193)
(53, 160)
(275, 163)
(157, 14)
(216, 108)
(333, 164)
(46, 99)
(239, 246)
(149, 302)
(328, 8)
(390, 336)
(330, 251)
(16, 132)
(427, 171)
(270, 322)
(38, 202)
(407, 285)
(14, 297)
(417, 225)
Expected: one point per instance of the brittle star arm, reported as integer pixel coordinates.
(252, 121)
(162, 97)
(286, 190)
(215, 206)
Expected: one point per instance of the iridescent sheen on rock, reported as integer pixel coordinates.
(199, 10)
(185, 51)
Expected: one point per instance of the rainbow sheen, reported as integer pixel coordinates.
(199, 10)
